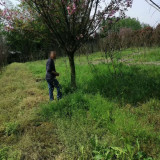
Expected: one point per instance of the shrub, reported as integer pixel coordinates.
(156, 35)
(101, 152)
(4, 153)
(11, 128)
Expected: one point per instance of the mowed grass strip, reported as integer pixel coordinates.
(22, 134)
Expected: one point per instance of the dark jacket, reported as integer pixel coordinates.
(50, 66)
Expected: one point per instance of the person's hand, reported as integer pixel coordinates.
(57, 74)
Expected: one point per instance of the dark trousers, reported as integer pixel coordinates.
(51, 84)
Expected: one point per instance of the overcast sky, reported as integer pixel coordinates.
(141, 10)
(144, 12)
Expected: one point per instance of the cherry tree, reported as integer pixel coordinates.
(73, 22)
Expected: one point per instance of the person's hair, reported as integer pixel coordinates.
(52, 52)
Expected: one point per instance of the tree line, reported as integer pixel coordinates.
(33, 41)
(128, 37)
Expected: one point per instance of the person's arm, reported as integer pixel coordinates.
(54, 70)
(48, 68)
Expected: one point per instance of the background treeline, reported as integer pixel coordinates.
(128, 33)
(32, 41)
(123, 34)
(26, 42)
(134, 35)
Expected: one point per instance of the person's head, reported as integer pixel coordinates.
(53, 54)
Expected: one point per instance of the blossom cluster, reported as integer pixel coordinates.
(9, 15)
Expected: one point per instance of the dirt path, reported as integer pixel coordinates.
(145, 63)
(23, 135)
(124, 60)
(127, 60)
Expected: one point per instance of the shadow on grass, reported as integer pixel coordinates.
(130, 85)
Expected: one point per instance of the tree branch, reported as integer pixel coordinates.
(153, 4)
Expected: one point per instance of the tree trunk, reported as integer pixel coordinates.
(73, 72)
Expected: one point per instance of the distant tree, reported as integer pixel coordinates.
(146, 36)
(126, 35)
(156, 35)
(144, 25)
(25, 34)
(116, 26)
(136, 40)
(131, 23)
(30, 38)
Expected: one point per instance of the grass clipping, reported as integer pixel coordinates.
(22, 134)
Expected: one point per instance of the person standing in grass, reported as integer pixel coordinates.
(51, 75)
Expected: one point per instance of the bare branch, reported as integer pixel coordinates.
(153, 4)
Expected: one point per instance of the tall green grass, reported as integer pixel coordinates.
(114, 113)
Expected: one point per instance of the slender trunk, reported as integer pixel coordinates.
(73, 72)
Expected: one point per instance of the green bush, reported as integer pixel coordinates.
(109, 153)
(4, 153)
(11, 128)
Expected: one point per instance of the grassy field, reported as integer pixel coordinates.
(114, 113)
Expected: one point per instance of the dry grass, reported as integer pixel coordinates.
(22, 134)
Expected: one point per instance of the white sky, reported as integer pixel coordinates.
(144, 12)
(140, 10)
